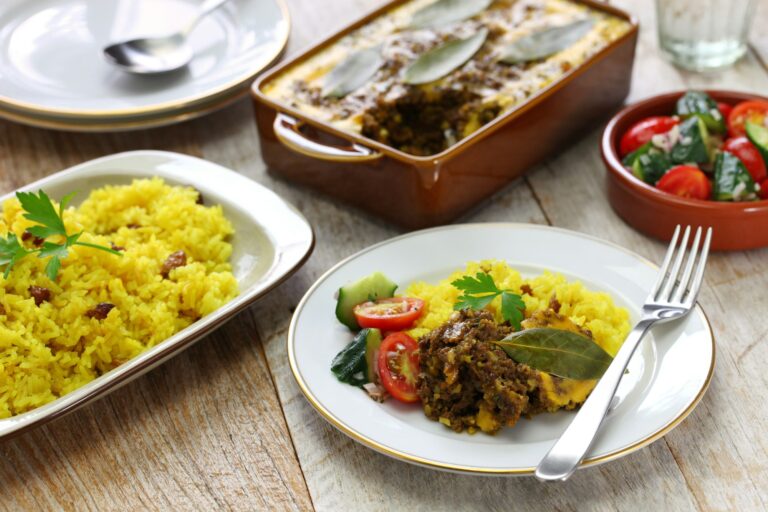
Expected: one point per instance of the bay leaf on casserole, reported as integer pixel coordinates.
(439, 61)
(558, 352)
(443, 12)
(353, 72)
(545, 42)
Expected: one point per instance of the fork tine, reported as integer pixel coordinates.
(693, 290)
(665, 264)
(670, 284)
(683, 285)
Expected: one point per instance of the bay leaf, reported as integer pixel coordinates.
(439, 61)
(443, 12)
(353, 72)
(562, 353)
(545, 42)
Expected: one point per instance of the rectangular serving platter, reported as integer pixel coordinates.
(416, 192)
(272, 240)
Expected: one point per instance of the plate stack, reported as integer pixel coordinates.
(53, 73)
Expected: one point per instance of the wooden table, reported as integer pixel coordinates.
(223, 425)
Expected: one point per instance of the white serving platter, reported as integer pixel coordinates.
(271, 241)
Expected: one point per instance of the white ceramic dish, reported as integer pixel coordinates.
(272, 240)
(667, 377)
(52, 65)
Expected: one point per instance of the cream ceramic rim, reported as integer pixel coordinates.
(129, 123)
(31, 108)
(381, 448)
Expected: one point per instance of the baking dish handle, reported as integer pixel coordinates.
(287, 131)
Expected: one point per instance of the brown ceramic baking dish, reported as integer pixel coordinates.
(735, 226)
(416, 192)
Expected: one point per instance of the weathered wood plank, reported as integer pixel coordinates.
(203, 431)
(721, 449)
(341, 474)
(676, 473)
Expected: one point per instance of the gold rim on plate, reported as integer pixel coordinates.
(381, 448)
(126, 124)
(23, 109)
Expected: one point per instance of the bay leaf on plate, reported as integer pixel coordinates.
(545, 42)
(562, 353)
(443, 12)
(353, 72)
(439, 61)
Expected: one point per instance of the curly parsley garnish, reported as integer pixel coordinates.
(479, 291)
(40, 209)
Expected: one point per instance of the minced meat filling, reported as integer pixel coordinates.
(468, 383)
(419, 124)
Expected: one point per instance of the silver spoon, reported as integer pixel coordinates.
(152, 55)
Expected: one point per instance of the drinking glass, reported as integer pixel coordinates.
(704, 34)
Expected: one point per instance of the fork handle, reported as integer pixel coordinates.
(566, 454)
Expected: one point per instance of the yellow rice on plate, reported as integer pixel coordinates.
(49, 350)
(591, 310)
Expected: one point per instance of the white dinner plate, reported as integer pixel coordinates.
(52, 65)
(271, 241)
(667, 376)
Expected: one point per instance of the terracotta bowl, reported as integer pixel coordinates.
(735, 226)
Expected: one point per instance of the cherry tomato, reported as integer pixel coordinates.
(764, 189)
(686, 181)
(393, 314)
(642, 131)
(749, 156)
(725, 109)
(755, 111)
(399, 366)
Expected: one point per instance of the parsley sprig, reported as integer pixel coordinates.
(479, 291)
(50, 223)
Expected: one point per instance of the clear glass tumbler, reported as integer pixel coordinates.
(704, 34)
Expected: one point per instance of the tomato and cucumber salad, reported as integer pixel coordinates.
(381, 358)
(704, 150)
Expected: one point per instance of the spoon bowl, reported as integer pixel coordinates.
(151, 55)
(154, 55)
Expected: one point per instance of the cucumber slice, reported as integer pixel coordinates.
(758, 135)
(356, 363)
(349, 365)
(372, 287)
(631, 158)
(732, 180)
(700, 104)
(651, 166)
(692, 147)
(372, 344)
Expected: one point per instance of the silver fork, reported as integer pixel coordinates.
(673, 296)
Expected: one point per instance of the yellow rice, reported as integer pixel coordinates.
(49, 350)
(595, 311)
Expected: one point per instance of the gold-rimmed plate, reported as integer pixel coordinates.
(123, 124)
(667, 376)
(53, 68)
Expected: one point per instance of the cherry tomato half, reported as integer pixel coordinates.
(749, 156)
(755, 111)
(393, 314)
(686, 181)
(642, 131)
(399, 366)
(725, 109)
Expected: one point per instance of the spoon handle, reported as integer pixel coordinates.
(207, 7)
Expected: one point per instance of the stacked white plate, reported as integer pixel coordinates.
(53, 73)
